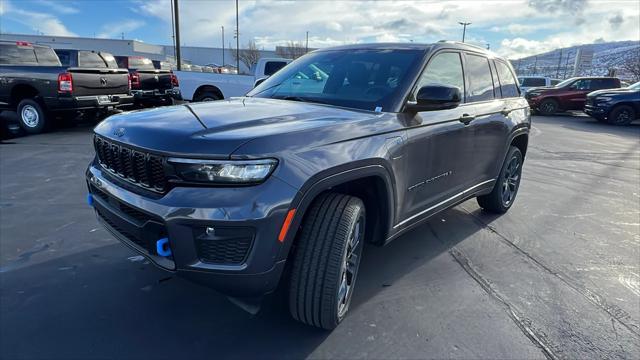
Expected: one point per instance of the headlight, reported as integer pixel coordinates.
(224, 171)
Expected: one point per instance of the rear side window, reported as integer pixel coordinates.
(90, 59)
(271, 67)
(140, 63)
(64, 56)
(480, 86)
(508, 85)
(533, 82)
(46, 56)
(443, 69)
(597, 84)
(17, 55)
(109, 59)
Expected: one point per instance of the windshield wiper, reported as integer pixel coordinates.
(301, 99)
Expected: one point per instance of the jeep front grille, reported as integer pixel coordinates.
(135, 166)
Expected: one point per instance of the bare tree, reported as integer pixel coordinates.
(249, 55)
(631, 66)
(292, 50)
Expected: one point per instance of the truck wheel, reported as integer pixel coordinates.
(206, 96)
(31, 116)
(621, 115)
(506, 188)
(548, 107)
(326, 261)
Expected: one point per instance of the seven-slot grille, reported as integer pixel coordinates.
(135, 166)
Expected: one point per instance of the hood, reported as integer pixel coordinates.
(216, 129)
(607, 92)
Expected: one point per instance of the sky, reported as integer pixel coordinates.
(512, 28)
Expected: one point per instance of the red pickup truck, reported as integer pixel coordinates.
(570, 94)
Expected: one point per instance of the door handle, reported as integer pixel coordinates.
(506, 111)
(466, 118)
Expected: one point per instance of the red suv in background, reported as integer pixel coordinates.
(570, 94)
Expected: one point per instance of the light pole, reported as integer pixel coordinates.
(176, 20)
(464, 28)
(237, 40)
(222, 46)
(307, 46)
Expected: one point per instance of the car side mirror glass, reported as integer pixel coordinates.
(436, 97)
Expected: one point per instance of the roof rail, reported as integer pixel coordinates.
(461, 43)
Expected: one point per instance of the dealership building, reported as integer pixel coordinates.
(190, 54)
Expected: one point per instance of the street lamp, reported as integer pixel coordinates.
(464, 28)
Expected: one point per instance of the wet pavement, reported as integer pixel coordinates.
(556, 277)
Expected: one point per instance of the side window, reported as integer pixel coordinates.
(533, 82)
(271, 67)
(443, 69)
(17, 55)
(480, 81)
(90, 59)
(46, 56)
(64, 56)
(508, 85)
(584, 84)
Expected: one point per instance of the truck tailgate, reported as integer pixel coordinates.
(155, 79)
(88, 81)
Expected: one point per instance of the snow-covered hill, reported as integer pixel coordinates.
(559, 63)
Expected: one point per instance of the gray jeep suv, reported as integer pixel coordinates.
(342, 146)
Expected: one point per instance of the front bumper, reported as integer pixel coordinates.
(241, 257)
(62, 102)
(596, 110)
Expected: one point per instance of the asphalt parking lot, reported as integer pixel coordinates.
(557, 277)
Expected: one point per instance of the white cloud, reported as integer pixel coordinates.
(115, 29)
(62, 7)
(41, 22)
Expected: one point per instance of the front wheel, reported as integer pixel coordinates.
(548, 107)
(326, 260)
(506, 188)
(31, 116)
(621, 115)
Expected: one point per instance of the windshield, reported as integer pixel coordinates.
(635, 86)
(362, 79)
(564, 83)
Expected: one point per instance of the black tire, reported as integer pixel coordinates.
(506, 188)
(548, 107)
(206, 96)
(31, 116)
(621, 115)
(321, 283)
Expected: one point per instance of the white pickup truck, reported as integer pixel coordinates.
(199, 86)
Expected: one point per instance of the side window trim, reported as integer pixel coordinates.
(415, 89)
(466, 80)
(512, 74)
(496, 80)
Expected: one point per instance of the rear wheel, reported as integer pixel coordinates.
(621, 115)
(506, 188)
(207, 96)
(326, 261)
(31, 116)
(548, 107)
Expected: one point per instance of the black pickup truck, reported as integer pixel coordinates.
(34, 83)
(150, 86)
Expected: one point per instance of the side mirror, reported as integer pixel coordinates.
(260, 81)
(436, 97)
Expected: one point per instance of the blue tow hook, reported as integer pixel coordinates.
(162, 247)
(90, 199)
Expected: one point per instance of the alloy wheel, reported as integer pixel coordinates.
(350, 264)
(511, 181)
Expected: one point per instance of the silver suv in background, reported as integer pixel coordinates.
(530, 82)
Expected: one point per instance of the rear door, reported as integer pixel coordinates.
(489, 129)
(440, 146)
